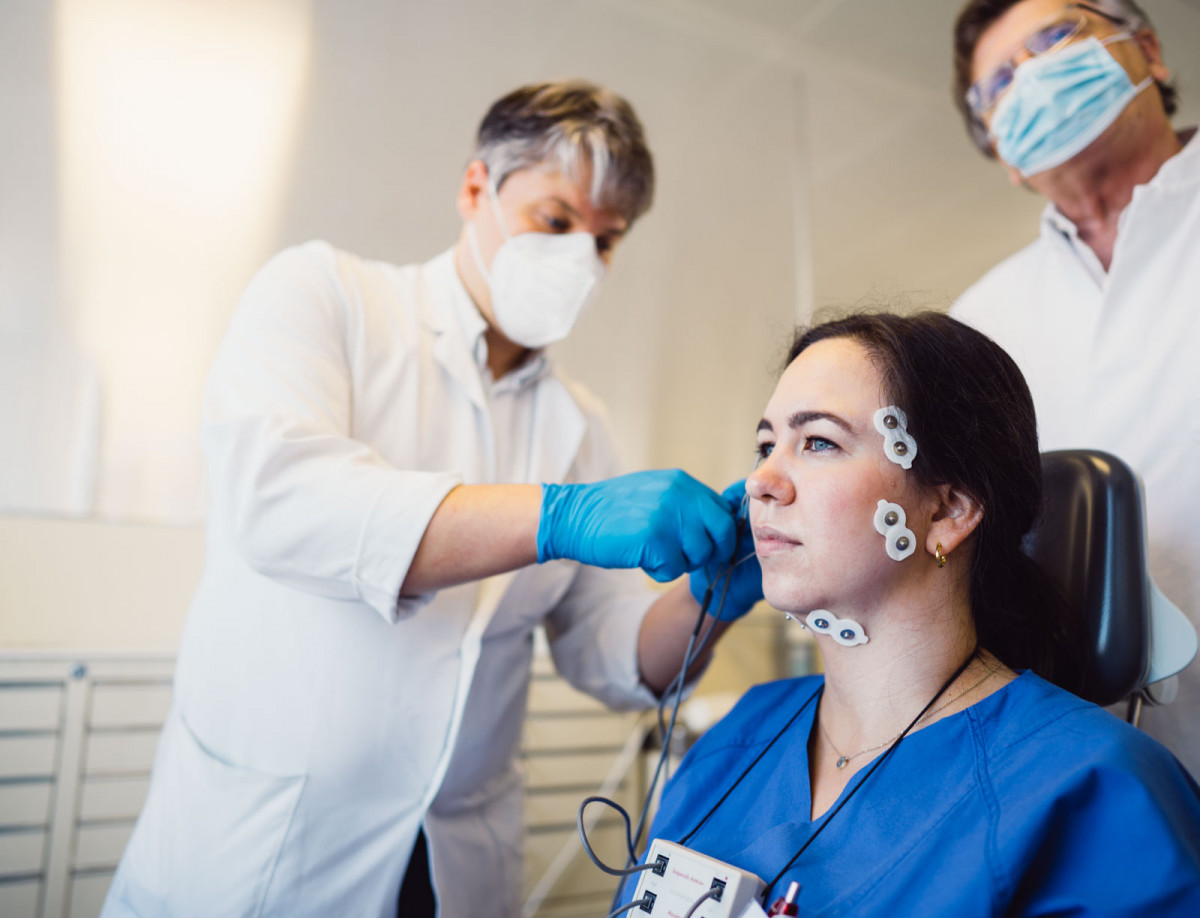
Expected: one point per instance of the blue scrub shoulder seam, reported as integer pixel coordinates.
(1002, 885)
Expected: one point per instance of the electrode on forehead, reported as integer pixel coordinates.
(845, 631)
(898, 445)
(890, 523)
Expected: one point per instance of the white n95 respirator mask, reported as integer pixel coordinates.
(540, 282)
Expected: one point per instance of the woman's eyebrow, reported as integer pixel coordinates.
(800, 418)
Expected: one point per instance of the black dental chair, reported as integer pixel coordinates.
(1091, 541)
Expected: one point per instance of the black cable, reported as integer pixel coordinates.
(636, 839)
(690, 655)
(587, 846)
(945, 685)
(746, 771)
(680, 680)
(677, 684)
(725, 574)
(688, 658)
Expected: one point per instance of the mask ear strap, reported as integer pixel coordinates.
(494, 197)
(474, 243)
(1126, 36)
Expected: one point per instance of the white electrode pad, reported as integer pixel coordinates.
(846, 631)
(898, 446)
(683, 876)
(898, 538)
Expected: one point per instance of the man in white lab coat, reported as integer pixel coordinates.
(1102, 311)
(356, 660)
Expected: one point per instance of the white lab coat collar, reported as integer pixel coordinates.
(559, 424)
(462, 322)
(1178, 173)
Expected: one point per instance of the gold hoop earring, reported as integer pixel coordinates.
(937, 553)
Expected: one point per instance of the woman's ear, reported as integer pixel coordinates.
(955, 515)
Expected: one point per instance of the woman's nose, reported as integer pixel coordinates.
(766, 483)
(756, 486)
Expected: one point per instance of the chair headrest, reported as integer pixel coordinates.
(1091, 540)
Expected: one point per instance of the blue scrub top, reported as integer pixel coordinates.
(1030, 802)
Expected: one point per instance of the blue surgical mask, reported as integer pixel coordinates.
(1059, 102)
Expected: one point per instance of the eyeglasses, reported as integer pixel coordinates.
(984, 93)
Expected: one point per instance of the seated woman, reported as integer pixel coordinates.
(934, 769)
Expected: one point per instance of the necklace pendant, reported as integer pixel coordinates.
(842, 761)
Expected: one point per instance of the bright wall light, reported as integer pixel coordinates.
(177, 124)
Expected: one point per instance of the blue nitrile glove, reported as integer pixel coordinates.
(745, 580)
(665, 522)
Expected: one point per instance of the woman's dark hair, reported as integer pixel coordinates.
(972, 416)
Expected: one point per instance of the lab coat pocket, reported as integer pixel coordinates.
(210, 834)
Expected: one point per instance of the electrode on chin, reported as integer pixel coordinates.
(845, 631)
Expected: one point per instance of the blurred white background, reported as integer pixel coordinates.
(156, 152)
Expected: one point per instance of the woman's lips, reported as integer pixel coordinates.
(768, 541)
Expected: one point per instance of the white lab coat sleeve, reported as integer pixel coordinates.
(593, 634)
(593, 630)
(305, 503)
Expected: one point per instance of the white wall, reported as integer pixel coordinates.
(156, 151)
(90, 585)
(191, 140)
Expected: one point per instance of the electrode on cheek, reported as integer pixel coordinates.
(890, 523)
(898, 445)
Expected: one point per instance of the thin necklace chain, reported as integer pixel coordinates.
(844, 760)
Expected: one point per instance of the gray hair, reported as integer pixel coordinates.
(571, 124)
(977, 16)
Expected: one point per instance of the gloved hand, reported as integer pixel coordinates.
(665, 522)
(744, 580)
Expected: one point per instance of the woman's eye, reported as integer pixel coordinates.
(819, 444)
(557, 224)
(763, 451)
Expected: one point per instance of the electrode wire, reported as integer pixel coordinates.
(782, 730)
(636, 903)
(677, 684)
(666, 730)
(630, 843)
(665, 734)
(705, 642)
(587, 846)
(711, 894)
